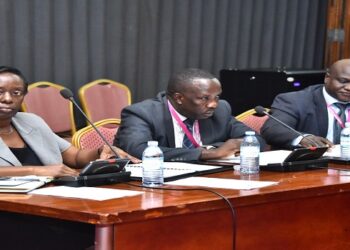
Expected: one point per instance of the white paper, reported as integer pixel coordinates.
(221, 183)
(274, 156)
(171, 168)
(267, 157)
(91, 193)
(333, 152)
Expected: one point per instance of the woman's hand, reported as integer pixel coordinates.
(54, 171)
(107, 153)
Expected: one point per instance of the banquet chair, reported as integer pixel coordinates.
(88, 138)
(104, 98)
(45, 100)
(253, 121)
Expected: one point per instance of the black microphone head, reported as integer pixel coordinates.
(260, 110)
(66, 93)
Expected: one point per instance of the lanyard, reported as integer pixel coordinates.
(336, 116)
(183, 126)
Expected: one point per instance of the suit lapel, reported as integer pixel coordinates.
(321, 112)
(31, 136)
(169, 126)
(204, 128)
(28, 134)
(7, 155)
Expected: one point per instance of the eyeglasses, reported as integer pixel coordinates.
(16, 93)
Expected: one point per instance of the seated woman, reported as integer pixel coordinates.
(27, 145)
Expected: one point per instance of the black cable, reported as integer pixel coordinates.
(232, 209)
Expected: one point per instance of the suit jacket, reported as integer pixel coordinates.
(151, 120)
(304, 110)
(39, 137)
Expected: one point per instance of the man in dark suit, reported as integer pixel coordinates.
(319, 111)
(189, 121)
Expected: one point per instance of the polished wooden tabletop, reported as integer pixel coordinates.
(154, 203)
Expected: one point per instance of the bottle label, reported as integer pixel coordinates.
(345, 139)
(250, 151)
(152, 163)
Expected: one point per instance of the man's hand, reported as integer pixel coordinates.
(230, 147)
(315, 141)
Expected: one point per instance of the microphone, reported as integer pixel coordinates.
(99, 172)
(262, 111)
(67, 94)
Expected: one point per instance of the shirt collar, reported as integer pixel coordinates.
(329, 99)
(180, 116)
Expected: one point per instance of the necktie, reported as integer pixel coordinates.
(336, 127)
(186, 143)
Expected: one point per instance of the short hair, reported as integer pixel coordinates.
(179, 79)
(8, 69)
(336, 66)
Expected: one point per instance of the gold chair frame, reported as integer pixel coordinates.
(24, 107)
(250, 113)
(85, 87)
(76, 139)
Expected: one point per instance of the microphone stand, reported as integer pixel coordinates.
(261, 111)
(99, 172)
(95, 128)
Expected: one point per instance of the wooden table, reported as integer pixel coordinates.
(306, 210)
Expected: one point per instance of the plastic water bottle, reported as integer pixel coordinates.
(345, 141)
(152, 165)
(249, 155)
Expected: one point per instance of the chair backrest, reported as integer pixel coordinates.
(88, 138)
(45, 100)
(104, 98)
(251, 120)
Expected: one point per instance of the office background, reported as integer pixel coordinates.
(141, 42)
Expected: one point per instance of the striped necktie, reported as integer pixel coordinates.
(187, 143)
(337, 127)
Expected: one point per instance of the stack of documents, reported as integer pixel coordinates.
(22, 184)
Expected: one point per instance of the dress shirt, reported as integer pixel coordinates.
(179, 133)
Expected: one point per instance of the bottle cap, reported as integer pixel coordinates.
(152, 143)
(250, 133)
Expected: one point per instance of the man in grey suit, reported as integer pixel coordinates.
(319, 111)
(189, 121)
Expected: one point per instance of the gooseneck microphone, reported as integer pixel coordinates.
(99, 172)
(262, 111)
(67, 94)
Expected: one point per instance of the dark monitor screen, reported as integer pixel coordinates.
(245, 89)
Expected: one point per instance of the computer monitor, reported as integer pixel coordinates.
(245, 89)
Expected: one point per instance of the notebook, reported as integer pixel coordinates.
(22, 184)
(19, 186)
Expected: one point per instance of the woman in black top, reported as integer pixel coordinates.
(27, 145)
